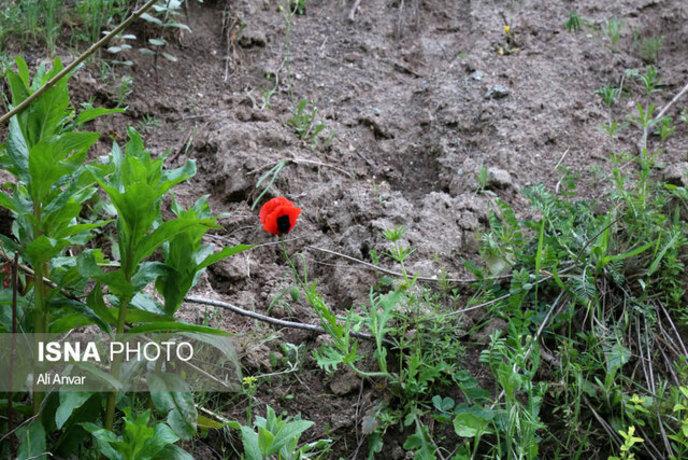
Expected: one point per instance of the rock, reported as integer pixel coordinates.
(252, 37)
(497, 91)
(677, 174)
(232, 269)
(499, 179)
(344, 382)
(477, 75)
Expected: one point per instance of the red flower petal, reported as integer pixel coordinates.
(271, 205)
(279, 216)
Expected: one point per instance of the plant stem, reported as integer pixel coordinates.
(41, 320)
(112, 397)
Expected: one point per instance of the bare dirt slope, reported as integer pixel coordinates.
(417, 96)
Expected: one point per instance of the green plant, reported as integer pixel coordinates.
(573, 23)
(649, 48)
(277, 437)
(95, 16)
(165, 16)
(149, 123)
(665, 128)
(483, 178)
(57, 209)
(609, 94)
(612, 30)
(139, 440)
(304, 121)
(629, 441)
(124, 90)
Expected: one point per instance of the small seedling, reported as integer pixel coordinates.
(665, 128)
(649, 49)
(148, 123)
(613, 31)
(304, 121)
(573, 23)
(650, 80)
(394, 234)
(609, 94)
(483, 178)
(124, 90)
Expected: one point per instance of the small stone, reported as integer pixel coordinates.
(677, 174)
(497, 91)
(477, 75)
(499, 179)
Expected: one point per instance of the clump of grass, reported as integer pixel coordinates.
(573, 23)
(612, 29)
(649, 48)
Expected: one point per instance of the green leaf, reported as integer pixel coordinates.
(32, 442)
(249, 439)
(617, 356)
(468, 425)
(291, 432)
(174, 326)
(92, 113)
(170, 395)
(166, 232)
(223, 254)
(265, 440)
(69, 401)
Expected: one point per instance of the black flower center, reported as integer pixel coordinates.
(283, 224)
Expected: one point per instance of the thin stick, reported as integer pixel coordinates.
(655, 120)
(672, 102)
(10, 371)
(268, 319)
(409, 275)
(91, 49)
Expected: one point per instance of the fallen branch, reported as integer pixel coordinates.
(269, 319)
(409, 275)
(64, 72)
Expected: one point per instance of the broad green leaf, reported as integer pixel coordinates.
(69, 401)
(249, 439)
(32, 442)
(104, 439)
(469, 425)
(174, 326)
(223, 254)
(293, 430)
(92, 113)
(170, 395)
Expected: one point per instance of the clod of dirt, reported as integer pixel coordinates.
(499, 179)
(252, 37)
(232, 269)
(494, 325)
(344, 382)
(677, 174)
(497, 91)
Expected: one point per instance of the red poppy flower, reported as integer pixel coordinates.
(279, 216)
